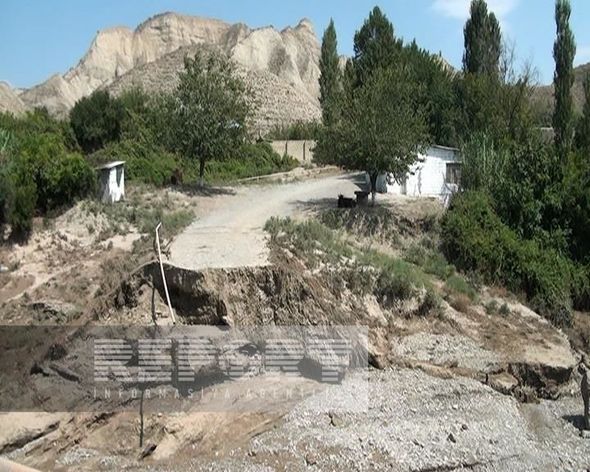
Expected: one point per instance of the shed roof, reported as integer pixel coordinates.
(446, 148)
(110, 165)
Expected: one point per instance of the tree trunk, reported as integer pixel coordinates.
(373, 189)
(201, 172)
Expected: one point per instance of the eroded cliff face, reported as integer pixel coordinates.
(287, 60)
(10, 100)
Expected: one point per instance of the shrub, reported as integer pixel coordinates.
(250, 160)
(23, 209)
(430, 304)
(59, 176)
(296, 131)
(143, 162)
(431, 260)
(458, 284)
(475, 239)
(40, 174)
(96, 120)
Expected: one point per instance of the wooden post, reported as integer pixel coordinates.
(162, 271)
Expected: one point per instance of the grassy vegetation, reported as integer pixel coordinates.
(141, 213)
(370, 222)
(252, 160)
(366, 271)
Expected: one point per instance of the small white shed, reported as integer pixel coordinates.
(437, 173)
(111, 181)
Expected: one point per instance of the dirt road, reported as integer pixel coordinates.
(231, 233)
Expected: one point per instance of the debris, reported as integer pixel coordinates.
(311, 458)
(147, 451)
(64, 372)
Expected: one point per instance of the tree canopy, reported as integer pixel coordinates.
(483, 41)
(96, 120)
(382, 127)
(564, 51)
(330, 75)
(375, 46)
(209, 109)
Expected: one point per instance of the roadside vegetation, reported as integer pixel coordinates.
(522, 216)
(47, 164)
(360, 269)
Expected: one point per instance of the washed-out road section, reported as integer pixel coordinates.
(231, 233)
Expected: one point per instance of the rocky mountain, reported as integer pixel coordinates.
(10, 100)
(282, 66)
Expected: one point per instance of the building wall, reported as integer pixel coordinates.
(112, 184)
(300, 150)
(427, 178)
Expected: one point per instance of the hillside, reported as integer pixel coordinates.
(543, 95)
(9, 100)
(282, 65)
(276, 101)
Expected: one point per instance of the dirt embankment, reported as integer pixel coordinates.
(461, 376)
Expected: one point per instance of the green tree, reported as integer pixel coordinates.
(96, 120)
(330, 75)
(209, 109)
(564, 51)
(375, 46)
(483, 41)
(582, 140)
(382, 126)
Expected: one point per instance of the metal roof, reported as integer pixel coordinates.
(110, 165)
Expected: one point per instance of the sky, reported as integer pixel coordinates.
(39, 38)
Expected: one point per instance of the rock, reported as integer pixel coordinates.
(282, 67)
(54, 310)
(3, 268)
(503, 383)
(451, 438)
(335, 419)
(147, 451)
(311, 458)
(10, 102)
(65, 372)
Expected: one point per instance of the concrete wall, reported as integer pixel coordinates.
(426, 178)
(112, 184)
(300, 150)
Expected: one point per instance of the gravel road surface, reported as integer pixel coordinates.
(231, 234)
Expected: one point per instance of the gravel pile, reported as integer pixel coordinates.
(415, 422)
(445, 349)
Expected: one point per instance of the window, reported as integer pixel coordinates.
(453, 173)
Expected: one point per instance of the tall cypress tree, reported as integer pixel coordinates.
(483, 41)
(582, 139)
(375, 46)
(564, 51)
(330, 76)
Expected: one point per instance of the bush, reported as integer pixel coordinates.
(59, 176)
(475, 239)
(431, 261)
(250, 160)
(459, 285)
(40, 174)
(22, 210)
(296, 131)
(96, 120)
(143, 162)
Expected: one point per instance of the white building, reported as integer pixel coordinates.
(111, 181)
(437, 173)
